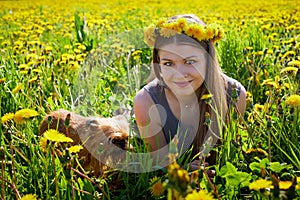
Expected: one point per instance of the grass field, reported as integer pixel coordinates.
(89, 57)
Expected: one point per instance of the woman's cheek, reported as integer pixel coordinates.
(167, 73)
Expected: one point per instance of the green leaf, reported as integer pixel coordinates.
(238, 178)
(255, 166)
(263, 163)
(276, 167)
(227, 169)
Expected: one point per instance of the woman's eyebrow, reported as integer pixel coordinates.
(190, 57)
(167, 59)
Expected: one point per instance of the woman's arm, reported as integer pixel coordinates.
(150, 126)
(241, 102)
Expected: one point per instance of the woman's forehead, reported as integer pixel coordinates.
(180, 50)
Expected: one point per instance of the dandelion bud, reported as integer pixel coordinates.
(298, 75)
(67, 120)
(207, 118)
(277, 52)
(52, 76)
(49, 120)
(234, 94)
(269, 122)
(2, 155)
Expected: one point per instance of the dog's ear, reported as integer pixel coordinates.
(122, 122)
(92, 123)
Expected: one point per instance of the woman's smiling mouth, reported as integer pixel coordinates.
(182, 83)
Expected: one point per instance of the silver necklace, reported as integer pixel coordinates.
(188, 106)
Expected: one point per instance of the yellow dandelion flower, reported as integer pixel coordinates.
(199, 34)
(294, 63)
(2, 80)
(293, 100)
(74, 65)
(257, 150)
(206, 96)
(269, 82)
(29, 197)
(289, 69)
(23, 72)
(67, 46)
(201, 195)
(258, 107)
(259, 53)
(33, 79)
(48, 48)
(285, 185)
(49, 27)
(167, 32)
(105, 53)
(149, 35)
(18, 88)
(176, 27)
(7, 117)
(75, 148)
(270, 51)
(81, 47)
(156, 187)
(63, 62)
(289, 53)
(43, 143)
(77, 51)
(21, 115)
(23, 67)
(189, 30)
(183, 175)
(37, 71)
(249, 94)
(260, 184)
(210, 31)
(55, 136)
(181, 22)
(80, 57)
(137, 52)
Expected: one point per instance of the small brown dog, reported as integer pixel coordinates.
(105, 140)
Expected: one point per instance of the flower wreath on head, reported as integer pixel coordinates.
(212, 32)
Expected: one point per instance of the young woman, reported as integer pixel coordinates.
(190, 96)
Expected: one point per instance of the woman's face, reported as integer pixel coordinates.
(183, 67)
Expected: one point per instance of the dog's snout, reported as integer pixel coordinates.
(119, 143)
(122, 144)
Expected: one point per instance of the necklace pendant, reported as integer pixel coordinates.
(188, 106)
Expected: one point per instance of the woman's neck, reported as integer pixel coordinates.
(186, 101)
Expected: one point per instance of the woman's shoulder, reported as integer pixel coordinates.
(144, 96)
(231, 82)
(152, 85)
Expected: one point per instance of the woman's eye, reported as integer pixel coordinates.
(168, 64)
(190, 62)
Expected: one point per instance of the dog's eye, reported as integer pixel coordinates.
(113, 141)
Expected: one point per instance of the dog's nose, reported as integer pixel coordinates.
(122, 144)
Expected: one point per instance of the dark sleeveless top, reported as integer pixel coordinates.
(157, 93)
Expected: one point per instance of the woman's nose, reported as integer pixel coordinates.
(181, 70)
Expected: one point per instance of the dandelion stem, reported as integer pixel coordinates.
(88, 178)
(55, 176)
(2, 183)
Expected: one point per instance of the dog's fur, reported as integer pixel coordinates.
(105, 140)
